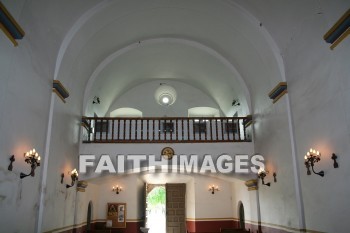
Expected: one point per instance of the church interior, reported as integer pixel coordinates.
(108, 106)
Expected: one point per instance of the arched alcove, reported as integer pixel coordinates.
(89, 217)
(241, 215)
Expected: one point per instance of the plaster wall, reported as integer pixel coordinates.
(200, 149)
(23, 124)
(142, 98)
(319, 87)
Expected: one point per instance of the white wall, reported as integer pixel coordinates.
(200, 149)
(24, 103)
(319, 90)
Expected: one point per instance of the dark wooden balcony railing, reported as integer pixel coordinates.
(169, 130)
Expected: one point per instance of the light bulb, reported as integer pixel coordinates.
(165, 100)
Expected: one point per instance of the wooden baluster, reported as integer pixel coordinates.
(171, 129)
(153, 131)
(124, 129)
(222, 129)
(147, 130)
(182, 129)
(217, 130)
(193, 129)
(177, 129)
(141, 129)
(130, 124)
(159, 129)
(244, 130)
(136, 129)
(188, 129)
(112, 129)
(89, 130)
(107, 130)
(239, 133)
(118, 131)
(95, 123)
(211, 129)
(205, 132)
(229, 128)
(101, 127)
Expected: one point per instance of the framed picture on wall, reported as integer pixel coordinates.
(116, 213)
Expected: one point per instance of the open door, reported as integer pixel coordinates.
(175, 208)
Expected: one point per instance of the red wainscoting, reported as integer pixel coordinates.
(131, 227)
(210, 225)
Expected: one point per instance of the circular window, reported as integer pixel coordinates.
(165, 95)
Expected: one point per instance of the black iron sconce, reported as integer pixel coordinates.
(62, 177)
(32, 157)
(334, 157)
(12, 159)
(213, 188)
(74, 176)
(311, 158)
(274, 177)
(262, 174)
(117, 189)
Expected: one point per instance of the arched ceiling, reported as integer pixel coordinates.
(215, 46)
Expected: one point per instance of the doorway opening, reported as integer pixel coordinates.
(88, 218)
(241, 215)
(156, 208)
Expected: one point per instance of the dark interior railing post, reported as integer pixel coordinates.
(216, 129)
(222, 129)
(95, 122)
(188, 129)
(118, 131)
(193, 129)
(172, 128)
(101, 122)
(159, 128)
(112, 129)
(205, 132)
(228, 127)
(238, 132)
(182, 129)
(153, 126)
(244, 130)
(124, 129)
(177, 129)
(89, 131)
(136, 129)
(211, 129)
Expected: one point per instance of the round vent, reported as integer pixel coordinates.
(165, 95)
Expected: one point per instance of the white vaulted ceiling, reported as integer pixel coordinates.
(228, 49)
(215, 46)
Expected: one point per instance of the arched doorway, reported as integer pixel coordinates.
(88, 218)
(241, 215)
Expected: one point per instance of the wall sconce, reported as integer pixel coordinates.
(334, 157)
(117, 189)
(213, 188)
(32, 157)
(74, 176)
(262, 174)
(62, 177)
(311, 158)
(12, 159)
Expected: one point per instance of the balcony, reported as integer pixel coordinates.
(166, 130)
